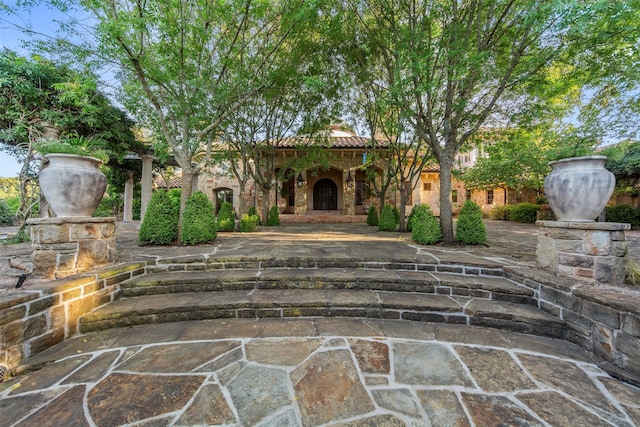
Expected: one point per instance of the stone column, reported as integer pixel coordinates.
(128, 198)
(301, 196)
(591, 252)
(147, 182)
(66, 246)
(349, 195)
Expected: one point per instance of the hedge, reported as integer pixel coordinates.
(425, 228)
(372, 216)
(226, 218)
(470, 228)
(199, 222)
(387, 219)
(160, 224)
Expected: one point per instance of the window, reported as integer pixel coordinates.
(426, 186)
(467, 195)
(489, 197)
(407, 189)
(454, 196)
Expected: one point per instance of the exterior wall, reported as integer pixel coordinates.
(37, 319)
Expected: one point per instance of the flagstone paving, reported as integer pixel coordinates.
(315, 372)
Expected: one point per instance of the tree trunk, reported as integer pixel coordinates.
(402, 227)
(446, 216)
(187, 186)
(265, 204)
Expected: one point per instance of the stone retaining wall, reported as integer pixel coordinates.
(34, 320)
(603, 320)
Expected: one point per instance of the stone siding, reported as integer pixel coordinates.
(33, 320)
(590, 252)
(605, 321)
(66, 246)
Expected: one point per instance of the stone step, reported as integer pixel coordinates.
(492, 288)
(290, 303)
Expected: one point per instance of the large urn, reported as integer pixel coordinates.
(579, 188)
(73, 185)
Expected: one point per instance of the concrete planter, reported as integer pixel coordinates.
(579, 188)
(73, 185)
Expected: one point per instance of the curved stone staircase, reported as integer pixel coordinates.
(299, 287)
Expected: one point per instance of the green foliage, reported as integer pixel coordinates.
(632, 271)
(160, 224)
(372, 216)
(274, 216)
(410, 218)
(387, 219)
(36, 90)
(502, 212)
(425, 228)
(524, 212)
(226, 218)
(624, 213)
(254, 212)
(80, 146)
(396, 214)
(249, 223)
(470, 228)
(199, 221)
(624, 163)
(6, 214)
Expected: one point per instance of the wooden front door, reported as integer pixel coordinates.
(325, 195)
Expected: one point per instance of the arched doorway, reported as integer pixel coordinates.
(325, 195)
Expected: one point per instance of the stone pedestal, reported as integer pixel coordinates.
(592, 252)
(65, 246)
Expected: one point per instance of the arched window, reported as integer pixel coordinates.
(222, 195)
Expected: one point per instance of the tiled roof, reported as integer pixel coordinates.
(336, 139)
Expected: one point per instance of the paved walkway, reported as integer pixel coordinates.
(318, 372)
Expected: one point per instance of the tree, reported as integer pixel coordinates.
(188, 64)
(452, 63)
(624, 163)
(41, 99)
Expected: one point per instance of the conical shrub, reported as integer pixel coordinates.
(226, 218)
(274, 216)
(372, 216)
(470, 228)
(387, 219)
(425, 228)
(160, 224)
(199, 223)
(396, 214)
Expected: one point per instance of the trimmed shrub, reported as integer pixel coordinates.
(6, 214)
(387, 219)
(198, 221)
(226, 218)
(254, 212)
(372, 216)
(624, 213)
(274, 216)
(502, 213)
(160, 224)
(470, 228)
(425, 228)
(524, 212)
(409, 226)
(249, 223)
(396, 214)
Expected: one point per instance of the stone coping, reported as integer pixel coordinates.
(605, 226)
(70, 220)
